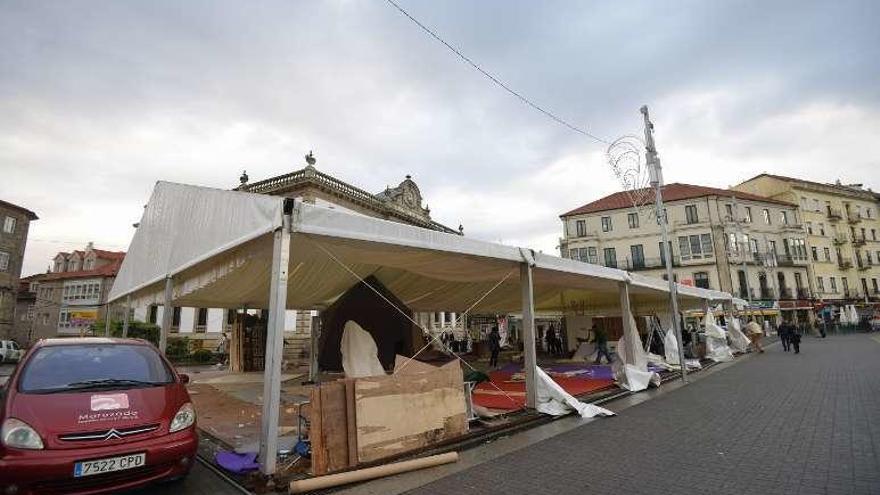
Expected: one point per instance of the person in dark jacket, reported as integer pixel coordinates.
(794, 336)
(494, 346)
(600, 338)
(785, 331)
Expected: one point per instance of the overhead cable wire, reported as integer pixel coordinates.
(498, 82)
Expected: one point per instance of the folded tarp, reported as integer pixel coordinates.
(738, 340)
(631, 369)
(716, 340)
(555, 401)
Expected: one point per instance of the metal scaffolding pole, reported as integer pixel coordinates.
(528, 310)
(656, 177)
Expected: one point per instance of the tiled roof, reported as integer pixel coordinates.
(109, 255)
(108, 270)
(31, 215)
(842, 187)
(670, 192)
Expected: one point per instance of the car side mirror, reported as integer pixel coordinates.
(184, 378)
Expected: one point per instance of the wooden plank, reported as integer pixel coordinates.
(333, 432)
(404, 412)
(316, 435)
(407, 366)
(351, 423)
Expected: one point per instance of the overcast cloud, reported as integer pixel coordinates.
(98, 100)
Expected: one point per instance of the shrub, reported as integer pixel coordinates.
(203, 356)
(178, 347)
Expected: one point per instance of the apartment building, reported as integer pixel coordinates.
(73, 295)
(736, 242)
(842, 230)
(14, 224)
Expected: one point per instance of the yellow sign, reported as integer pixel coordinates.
(83, 316)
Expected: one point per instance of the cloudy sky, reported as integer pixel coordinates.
(98, 100)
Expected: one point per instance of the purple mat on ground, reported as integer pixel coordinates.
(237, 463)
(594, 371)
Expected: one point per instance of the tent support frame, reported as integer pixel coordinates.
(528, 311)
(167, 314)
(274, 349)
(626, 316)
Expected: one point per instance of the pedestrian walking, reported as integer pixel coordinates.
(600, 337)
(755, 334)
(795, 338)
(494, 347)
(785, 331)
(550, 338)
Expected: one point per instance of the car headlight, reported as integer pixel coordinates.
(18, 434)
(185, 417)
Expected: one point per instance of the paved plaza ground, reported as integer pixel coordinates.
(773, 423)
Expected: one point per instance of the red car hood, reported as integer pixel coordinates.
(60, 414)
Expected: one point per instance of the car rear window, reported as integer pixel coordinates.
(57, 367)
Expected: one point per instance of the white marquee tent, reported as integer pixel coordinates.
(204, 247)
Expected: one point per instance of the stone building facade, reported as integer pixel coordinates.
(72, 296)
(14, 224)
(748, 245)
(842, 223)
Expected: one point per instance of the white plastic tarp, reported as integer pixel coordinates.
(853, 315)
(631, 367)
(360, 356)
(738, 340)
(670, 346)
(555, 401)
(716, 340)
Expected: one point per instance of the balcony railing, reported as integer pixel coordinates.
(844, 263)
(863, 264)
(853, 217)
(858, 240)
(803, 293)
(839, 239)
(833, 214)
(789, 260)
(641, 263)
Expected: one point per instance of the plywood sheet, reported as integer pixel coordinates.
(329, 432)
(400, 413)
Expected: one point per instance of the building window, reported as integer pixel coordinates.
(230, 316)
(815, 253)
(690, 213)
(610, 257)
(592, 255)
(637, 252)
(874, 284)
(175, 317)
(695, 247)
(9, 225)
(729, 209)
(809, 228)
(773, 247)
(4, 261)
(766, 213)
(816, 205)
(827, 252)
(873, 234)
(573, 254)
(665, 216)
(822, 229)
(820, 284)
(748, 214)
(633, 219)
(663, 251)
(798, 281)
(754, 246)
(701, 280)
(154, 310)
(202, 319)
(581, 227)
(784, 217)
(606, 224)
(732, 243)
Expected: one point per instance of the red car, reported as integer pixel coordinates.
(94, 415)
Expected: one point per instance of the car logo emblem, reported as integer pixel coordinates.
(112, 435)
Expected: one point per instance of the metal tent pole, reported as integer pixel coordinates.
(528, 311)
(167, 314)
(656, 176)
(628, 331)
(274, 349)
(126, 317)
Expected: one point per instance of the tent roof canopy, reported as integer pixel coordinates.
(217, 246)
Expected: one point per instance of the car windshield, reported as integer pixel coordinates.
(65, 368)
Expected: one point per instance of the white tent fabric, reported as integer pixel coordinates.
(555, 401)
(670, 346)
(844, 315)
(738, 340)
(716, 340)
(631, 367)
(217, 245)
(360, 356)
(853, 315)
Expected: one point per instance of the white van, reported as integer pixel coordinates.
(9, 351)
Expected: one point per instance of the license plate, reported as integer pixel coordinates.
(108, 465)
